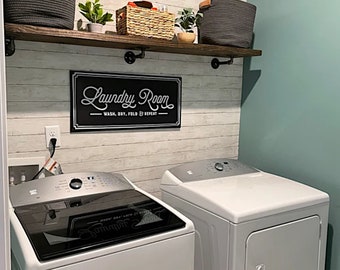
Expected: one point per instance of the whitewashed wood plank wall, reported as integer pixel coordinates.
(38, 93)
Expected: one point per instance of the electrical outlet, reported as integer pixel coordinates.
(52, 132)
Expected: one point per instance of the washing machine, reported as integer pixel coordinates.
(95, 220)
(248, 219)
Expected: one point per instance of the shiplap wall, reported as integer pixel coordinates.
(38, 92)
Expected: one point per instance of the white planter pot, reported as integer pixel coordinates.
(95, 27)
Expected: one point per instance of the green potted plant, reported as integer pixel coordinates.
(186, 21)
(94, 13)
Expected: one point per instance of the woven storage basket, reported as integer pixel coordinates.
(50, 13)
(227, 22)
(145, 22)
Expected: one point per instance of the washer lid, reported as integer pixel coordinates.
(245, 197)
(63, 228)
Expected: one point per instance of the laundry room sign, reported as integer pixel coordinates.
(104, 101)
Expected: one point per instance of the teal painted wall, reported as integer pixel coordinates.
(290, 116)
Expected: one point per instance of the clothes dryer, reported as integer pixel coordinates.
(247, 219)
(95, 220)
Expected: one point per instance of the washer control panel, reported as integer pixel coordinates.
(66, 186)
(210, 169)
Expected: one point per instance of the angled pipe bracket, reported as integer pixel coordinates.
(130, 57)
(9, 46)
(215, 63)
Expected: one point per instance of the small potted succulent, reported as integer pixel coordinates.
(94, 12)
(186, 22)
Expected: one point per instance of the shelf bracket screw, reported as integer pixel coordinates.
(130, 57)
(9, 46)
(215, 63)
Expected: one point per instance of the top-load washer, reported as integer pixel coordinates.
(247, 219)
(95, 220)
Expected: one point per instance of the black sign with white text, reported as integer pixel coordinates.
(103, 101)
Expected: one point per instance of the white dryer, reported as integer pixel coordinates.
(247, 219)
(95, 220)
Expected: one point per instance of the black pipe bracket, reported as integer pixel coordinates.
(215, 63)
(130, 57)
(9, 46)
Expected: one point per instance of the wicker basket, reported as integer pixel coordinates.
(227, 22)
(145, 22)
(50, 13)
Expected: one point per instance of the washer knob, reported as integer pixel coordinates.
(219, 166)
(76, 183)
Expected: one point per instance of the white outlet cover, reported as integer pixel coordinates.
(52, 132)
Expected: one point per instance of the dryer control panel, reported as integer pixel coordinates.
(65, 186)
(209, 169)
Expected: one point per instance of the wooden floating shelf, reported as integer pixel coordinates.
(113, 40)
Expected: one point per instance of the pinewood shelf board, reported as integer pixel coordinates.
(113, 40)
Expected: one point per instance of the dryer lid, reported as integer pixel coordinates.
(245, 197)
